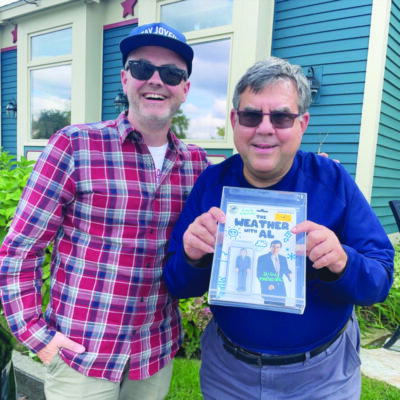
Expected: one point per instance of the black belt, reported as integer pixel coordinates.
(264, 359)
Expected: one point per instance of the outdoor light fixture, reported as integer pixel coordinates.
(11, 109)
(121, 102)
(314, 84)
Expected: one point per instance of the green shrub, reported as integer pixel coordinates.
(384, 315)
(195, 316)
(13, 178)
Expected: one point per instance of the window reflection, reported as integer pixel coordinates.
(206, 104)
(50, 100)
(51, 44)
(189, 15)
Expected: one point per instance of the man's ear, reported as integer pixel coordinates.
(304, 121)
(123, 79)
(186, 90)
(233, 118)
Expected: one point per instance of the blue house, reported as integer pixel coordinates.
(60, 64)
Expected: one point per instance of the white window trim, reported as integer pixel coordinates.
(32, 65)
(38, 64)
(86, 71)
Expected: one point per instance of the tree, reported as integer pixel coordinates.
(220, 131)
(49, 122)
(180, 124)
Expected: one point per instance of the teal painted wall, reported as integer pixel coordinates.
(112, 65)
(8, 92)
(333, 37)
(386, 184)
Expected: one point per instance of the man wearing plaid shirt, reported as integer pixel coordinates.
(107, 195)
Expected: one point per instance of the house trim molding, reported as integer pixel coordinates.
(374, 78)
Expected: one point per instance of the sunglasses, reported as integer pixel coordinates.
(144, 70)
(280, 120)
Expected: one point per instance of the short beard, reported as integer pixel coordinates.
(157, 123)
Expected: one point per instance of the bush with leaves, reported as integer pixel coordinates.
(384, 315)
(13, 177)
(195, 316)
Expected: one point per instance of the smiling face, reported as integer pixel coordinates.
(268, 152)
(152, 103)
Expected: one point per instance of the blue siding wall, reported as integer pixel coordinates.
(8, 92)
(332, 36)
(386, 185)
(112, 65)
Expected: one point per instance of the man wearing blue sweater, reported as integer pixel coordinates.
(259, 354)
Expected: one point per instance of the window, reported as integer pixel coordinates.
(50, 100)
(191, 15)
(50, 72)
(206, 105)
(51, 44)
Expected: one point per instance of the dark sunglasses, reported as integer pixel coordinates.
(280, 120)
(144, 70)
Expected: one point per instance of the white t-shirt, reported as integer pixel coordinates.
(158, 154)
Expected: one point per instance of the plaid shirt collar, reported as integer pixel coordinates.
(126, 129)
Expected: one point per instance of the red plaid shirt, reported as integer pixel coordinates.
(93, 192)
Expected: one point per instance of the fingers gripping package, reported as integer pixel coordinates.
(258, 262)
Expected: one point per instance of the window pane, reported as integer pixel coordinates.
(205, 105)
(190, 15)
(51, 44)
(50, 100)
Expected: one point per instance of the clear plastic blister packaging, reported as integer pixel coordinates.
(258, 262)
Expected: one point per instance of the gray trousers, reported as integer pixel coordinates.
(332, 375)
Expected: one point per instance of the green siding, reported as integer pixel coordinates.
(112, 65)
(332, 36)
(386, 183)
(8, 89)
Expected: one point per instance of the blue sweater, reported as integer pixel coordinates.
(334, 201)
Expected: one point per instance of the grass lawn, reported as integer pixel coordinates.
(185, 384)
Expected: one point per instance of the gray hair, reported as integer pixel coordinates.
(271, 70)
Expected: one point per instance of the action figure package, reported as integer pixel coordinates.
(258, 262)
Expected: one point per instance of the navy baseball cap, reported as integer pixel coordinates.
(157, 34)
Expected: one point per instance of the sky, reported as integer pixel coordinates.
(206, 104)
(51, 89)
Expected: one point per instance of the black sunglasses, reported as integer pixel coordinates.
(144, 70)
(280, 120)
